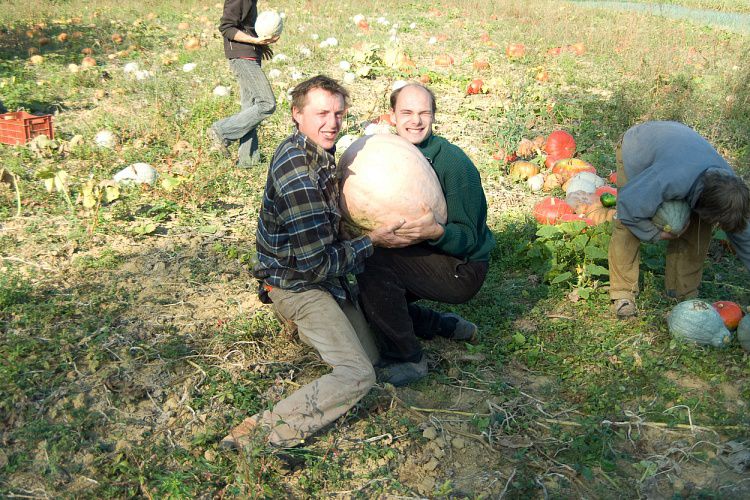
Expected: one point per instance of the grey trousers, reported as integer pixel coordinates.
(258, 103)
(338, 334)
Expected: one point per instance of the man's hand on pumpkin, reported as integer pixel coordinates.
(424, 228)
(386, 236)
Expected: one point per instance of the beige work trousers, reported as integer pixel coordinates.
(685, 256)
(342, 337)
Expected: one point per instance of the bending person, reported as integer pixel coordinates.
(660, 161)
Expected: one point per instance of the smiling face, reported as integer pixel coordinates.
(321, 116)
(413, 114)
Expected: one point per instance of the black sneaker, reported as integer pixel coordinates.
(458, 328)
(400, 374)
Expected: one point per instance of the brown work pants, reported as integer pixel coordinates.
(685, 256)
(342, 337)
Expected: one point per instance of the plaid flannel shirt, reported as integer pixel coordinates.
(298, 227)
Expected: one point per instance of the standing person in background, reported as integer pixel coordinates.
(245, 51)
(445, 263)
(303, 264)
(658, 161)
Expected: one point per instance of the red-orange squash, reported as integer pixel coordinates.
(560, 144)
(385, 179)
(606, 189)
(475, 87)
(730, 312)
(550, 209)
(515, 50)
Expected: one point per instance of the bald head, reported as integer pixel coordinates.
(413, 112)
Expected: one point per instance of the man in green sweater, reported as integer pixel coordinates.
(447, 262)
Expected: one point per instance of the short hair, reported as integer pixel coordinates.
(395, 94)
(725, 200)
(300, 91)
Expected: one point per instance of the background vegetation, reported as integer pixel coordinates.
(130, 336)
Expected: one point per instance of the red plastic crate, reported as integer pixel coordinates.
(20, 127)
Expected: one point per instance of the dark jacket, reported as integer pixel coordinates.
(239, 15)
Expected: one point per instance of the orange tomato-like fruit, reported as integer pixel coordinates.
(475, 87)
(730, 312)
(515, 50)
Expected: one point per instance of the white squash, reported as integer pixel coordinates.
(536, 182)
(385, 179)
(139, 173)
(584, 181)
(105, 139)
(268, 24)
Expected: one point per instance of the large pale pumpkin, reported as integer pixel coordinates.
(386, 178)
(696, 321)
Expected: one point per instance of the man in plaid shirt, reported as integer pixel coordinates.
(303, 263)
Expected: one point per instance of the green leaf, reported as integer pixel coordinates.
(111, 193)
(562, 277)
(594, 252)
(596, 270)
(579, 242)
(169, 183)
(548, 231)
(144, 229)
(90, 194)
(519, 339)
(210, 229)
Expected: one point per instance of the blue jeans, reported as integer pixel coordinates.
(258, 103)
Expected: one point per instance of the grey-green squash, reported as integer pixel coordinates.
(695, 321)
(743, 332)
(672, 216)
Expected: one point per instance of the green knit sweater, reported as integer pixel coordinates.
(466, 232)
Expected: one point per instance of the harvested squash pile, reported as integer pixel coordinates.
(587, 197)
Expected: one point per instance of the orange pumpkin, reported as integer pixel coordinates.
(444, 60)
(560, 144)
(480, 64)
(475, 87)
(568, 167)
(550, 209)
(522, 170)
(515, 50)
(730, 312)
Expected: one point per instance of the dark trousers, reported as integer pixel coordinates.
(394, 278)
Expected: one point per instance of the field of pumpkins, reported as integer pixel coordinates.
(549, 165)
(131, 334)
